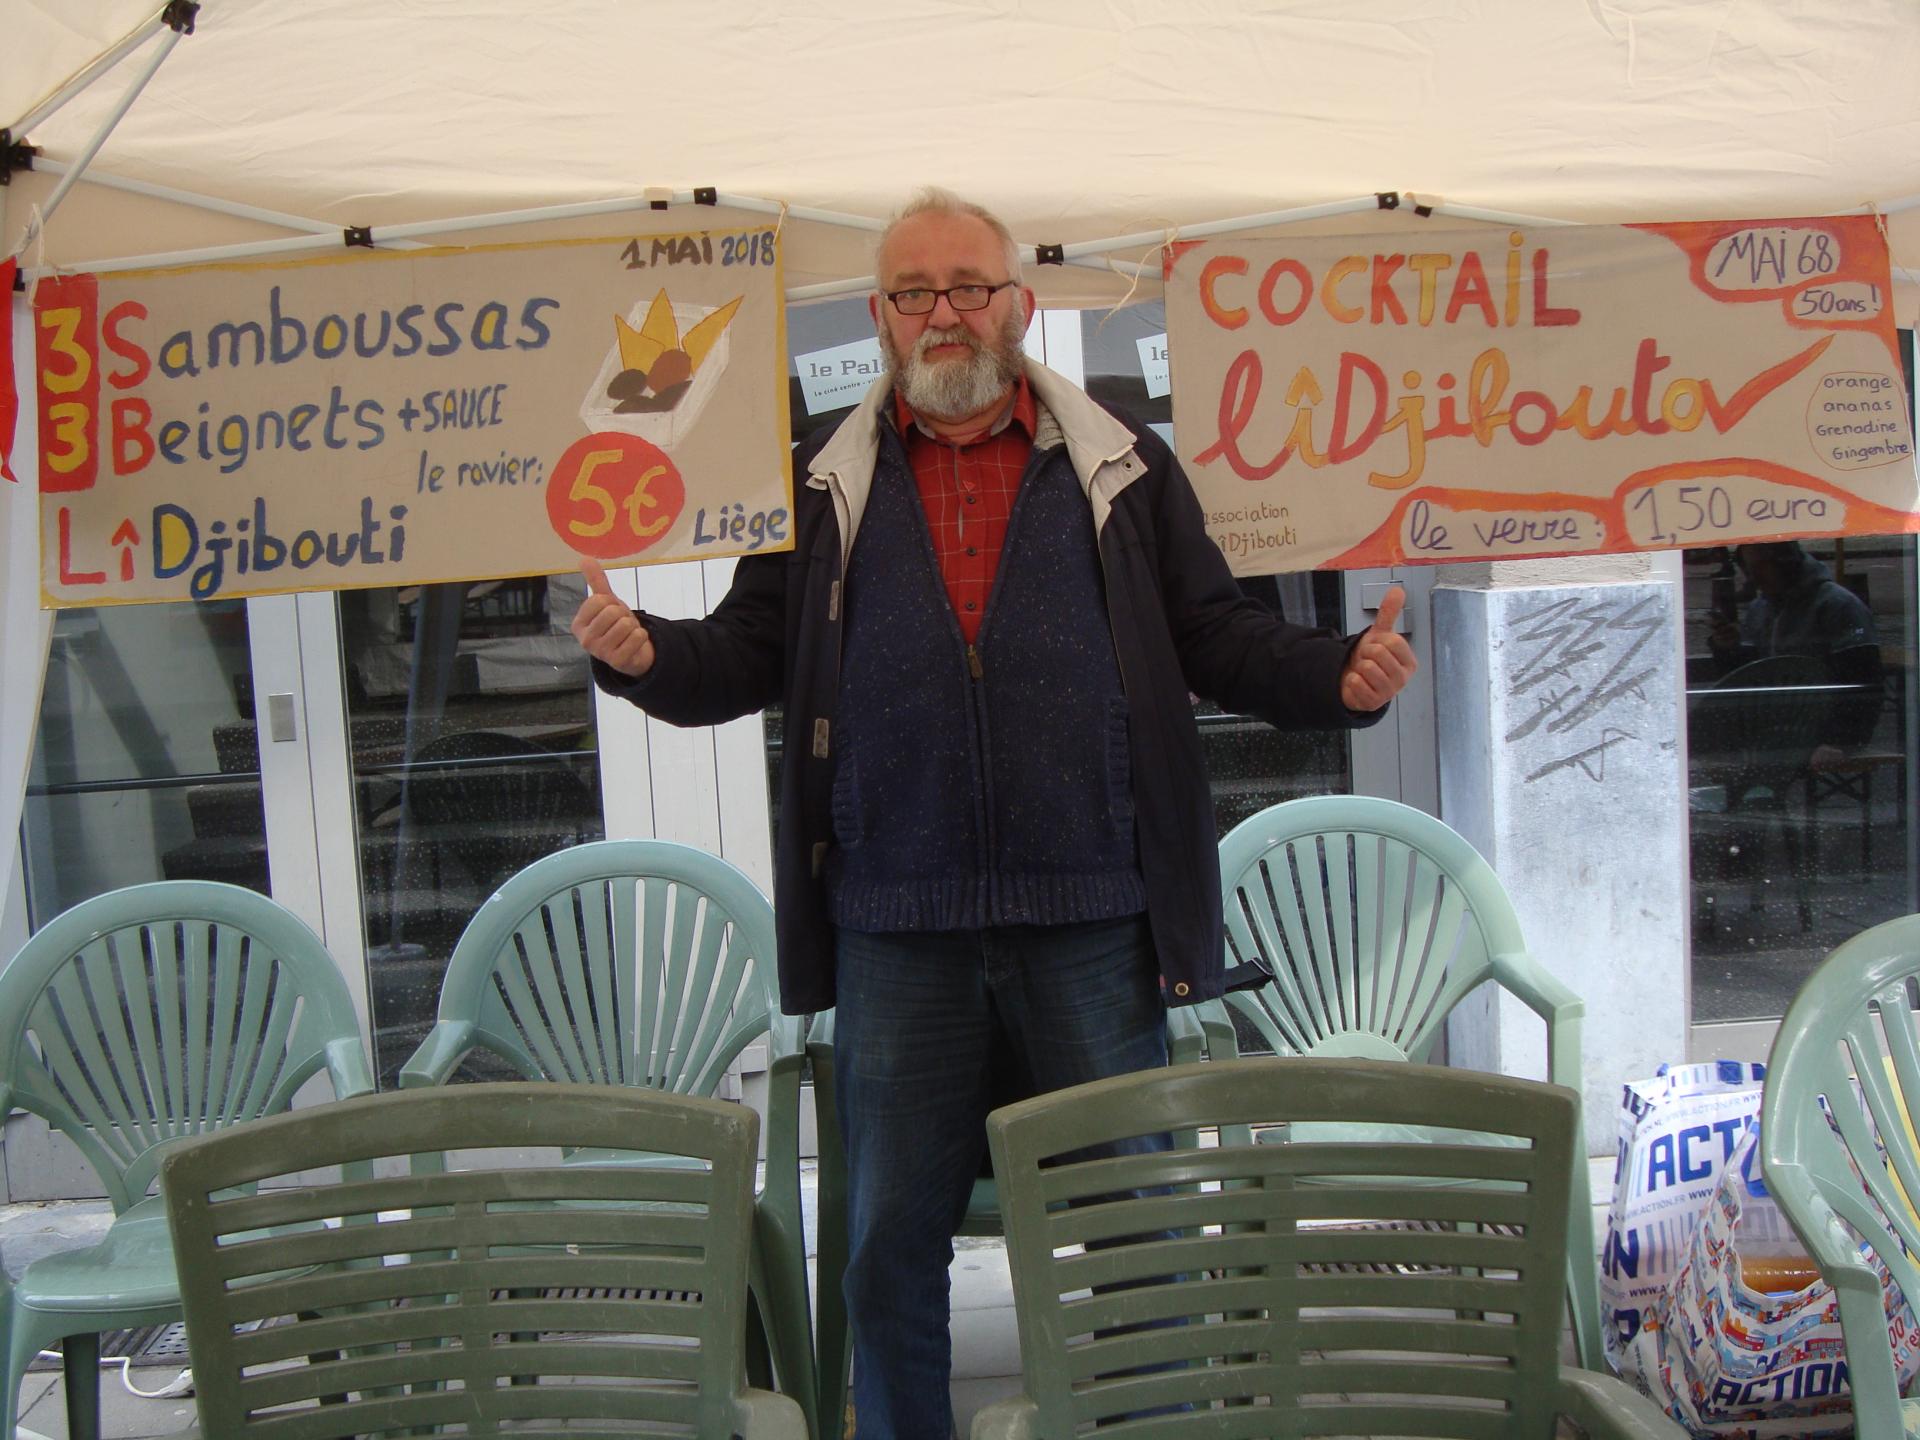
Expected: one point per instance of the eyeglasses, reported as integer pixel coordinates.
(960, 297)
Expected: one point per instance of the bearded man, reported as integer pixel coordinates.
(996, 834)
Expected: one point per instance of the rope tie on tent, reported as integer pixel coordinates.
(1139, 269)
(780, 224)
(34, 235)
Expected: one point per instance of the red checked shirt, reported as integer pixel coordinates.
(967, 489)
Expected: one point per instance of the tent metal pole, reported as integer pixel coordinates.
(52, 203)
(804, 212)
(1493, 217)
(454, 225)
(857, 286)
(622, 205)
(101, 63)
(1208, 228)
(1083, 252)
(187, 197)
(208, 255)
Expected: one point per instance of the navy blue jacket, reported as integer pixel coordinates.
(1180, 624)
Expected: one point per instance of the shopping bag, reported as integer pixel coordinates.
(1746, 1342)
(1677, 1132)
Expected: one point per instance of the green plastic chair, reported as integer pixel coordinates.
(1376, 920)
(1186, 1042)
(131, 1022)
(1300, 1289)
(1844, 1169)
(535, 1299)
(642, 963)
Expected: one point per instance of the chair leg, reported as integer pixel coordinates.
(80, 1359)
(1583, 1270)
(833, 1342)
(21, 1348)
(780, 1327)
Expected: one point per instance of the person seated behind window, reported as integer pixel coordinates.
(1798, 608)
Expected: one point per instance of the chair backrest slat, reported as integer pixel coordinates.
(490, 1299)
(161, 1011)
(626, 962)
(1306, 1284)
(1837, 1142)
(1374, 918)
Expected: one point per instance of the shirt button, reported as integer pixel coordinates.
(1180, 988)
(973, 550)
(973, 499)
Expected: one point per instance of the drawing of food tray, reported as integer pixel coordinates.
(669, 425)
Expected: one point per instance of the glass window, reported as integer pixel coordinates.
(470, 722)
(1801, 764)
(146, 764)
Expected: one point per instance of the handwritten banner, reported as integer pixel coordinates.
(400, 418)
(1495, 393)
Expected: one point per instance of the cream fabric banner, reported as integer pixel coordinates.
(404, 418)
(1564, 391)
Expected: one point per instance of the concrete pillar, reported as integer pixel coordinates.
(1561, 740)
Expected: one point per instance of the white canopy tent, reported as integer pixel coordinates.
(1102, 128)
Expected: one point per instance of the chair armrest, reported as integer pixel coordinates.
(1609, 1409)
(347, 1068)
(1186, 1035)
(763, 1415)
(1824, 1234)
(1545, 994)
(786, 1035)
(444, 1048)
(820, 1031)
(1555, 1003)
(1013, 1419)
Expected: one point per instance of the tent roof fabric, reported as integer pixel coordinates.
(1077, 120)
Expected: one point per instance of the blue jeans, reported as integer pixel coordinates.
(918, 1022)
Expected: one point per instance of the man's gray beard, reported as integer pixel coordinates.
(957, 389)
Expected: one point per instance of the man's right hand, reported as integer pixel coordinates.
(607, 630)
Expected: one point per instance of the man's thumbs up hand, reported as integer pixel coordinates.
(1380, 665)
(607, 630)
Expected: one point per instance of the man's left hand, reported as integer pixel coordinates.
(1382, 663)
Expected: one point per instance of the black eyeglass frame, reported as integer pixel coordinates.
(949, 295)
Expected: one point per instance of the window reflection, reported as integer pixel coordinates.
(1800, 763)
(146, 764)
(470, 718)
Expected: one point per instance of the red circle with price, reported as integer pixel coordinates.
(613, 495)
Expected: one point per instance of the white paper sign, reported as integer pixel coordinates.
(835, 378)
(1153, 364)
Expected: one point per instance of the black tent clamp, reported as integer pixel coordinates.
(179, 15)
(360, 235)
(1387, 199)
(1049, 254)
(14, 155)
(702, 195)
